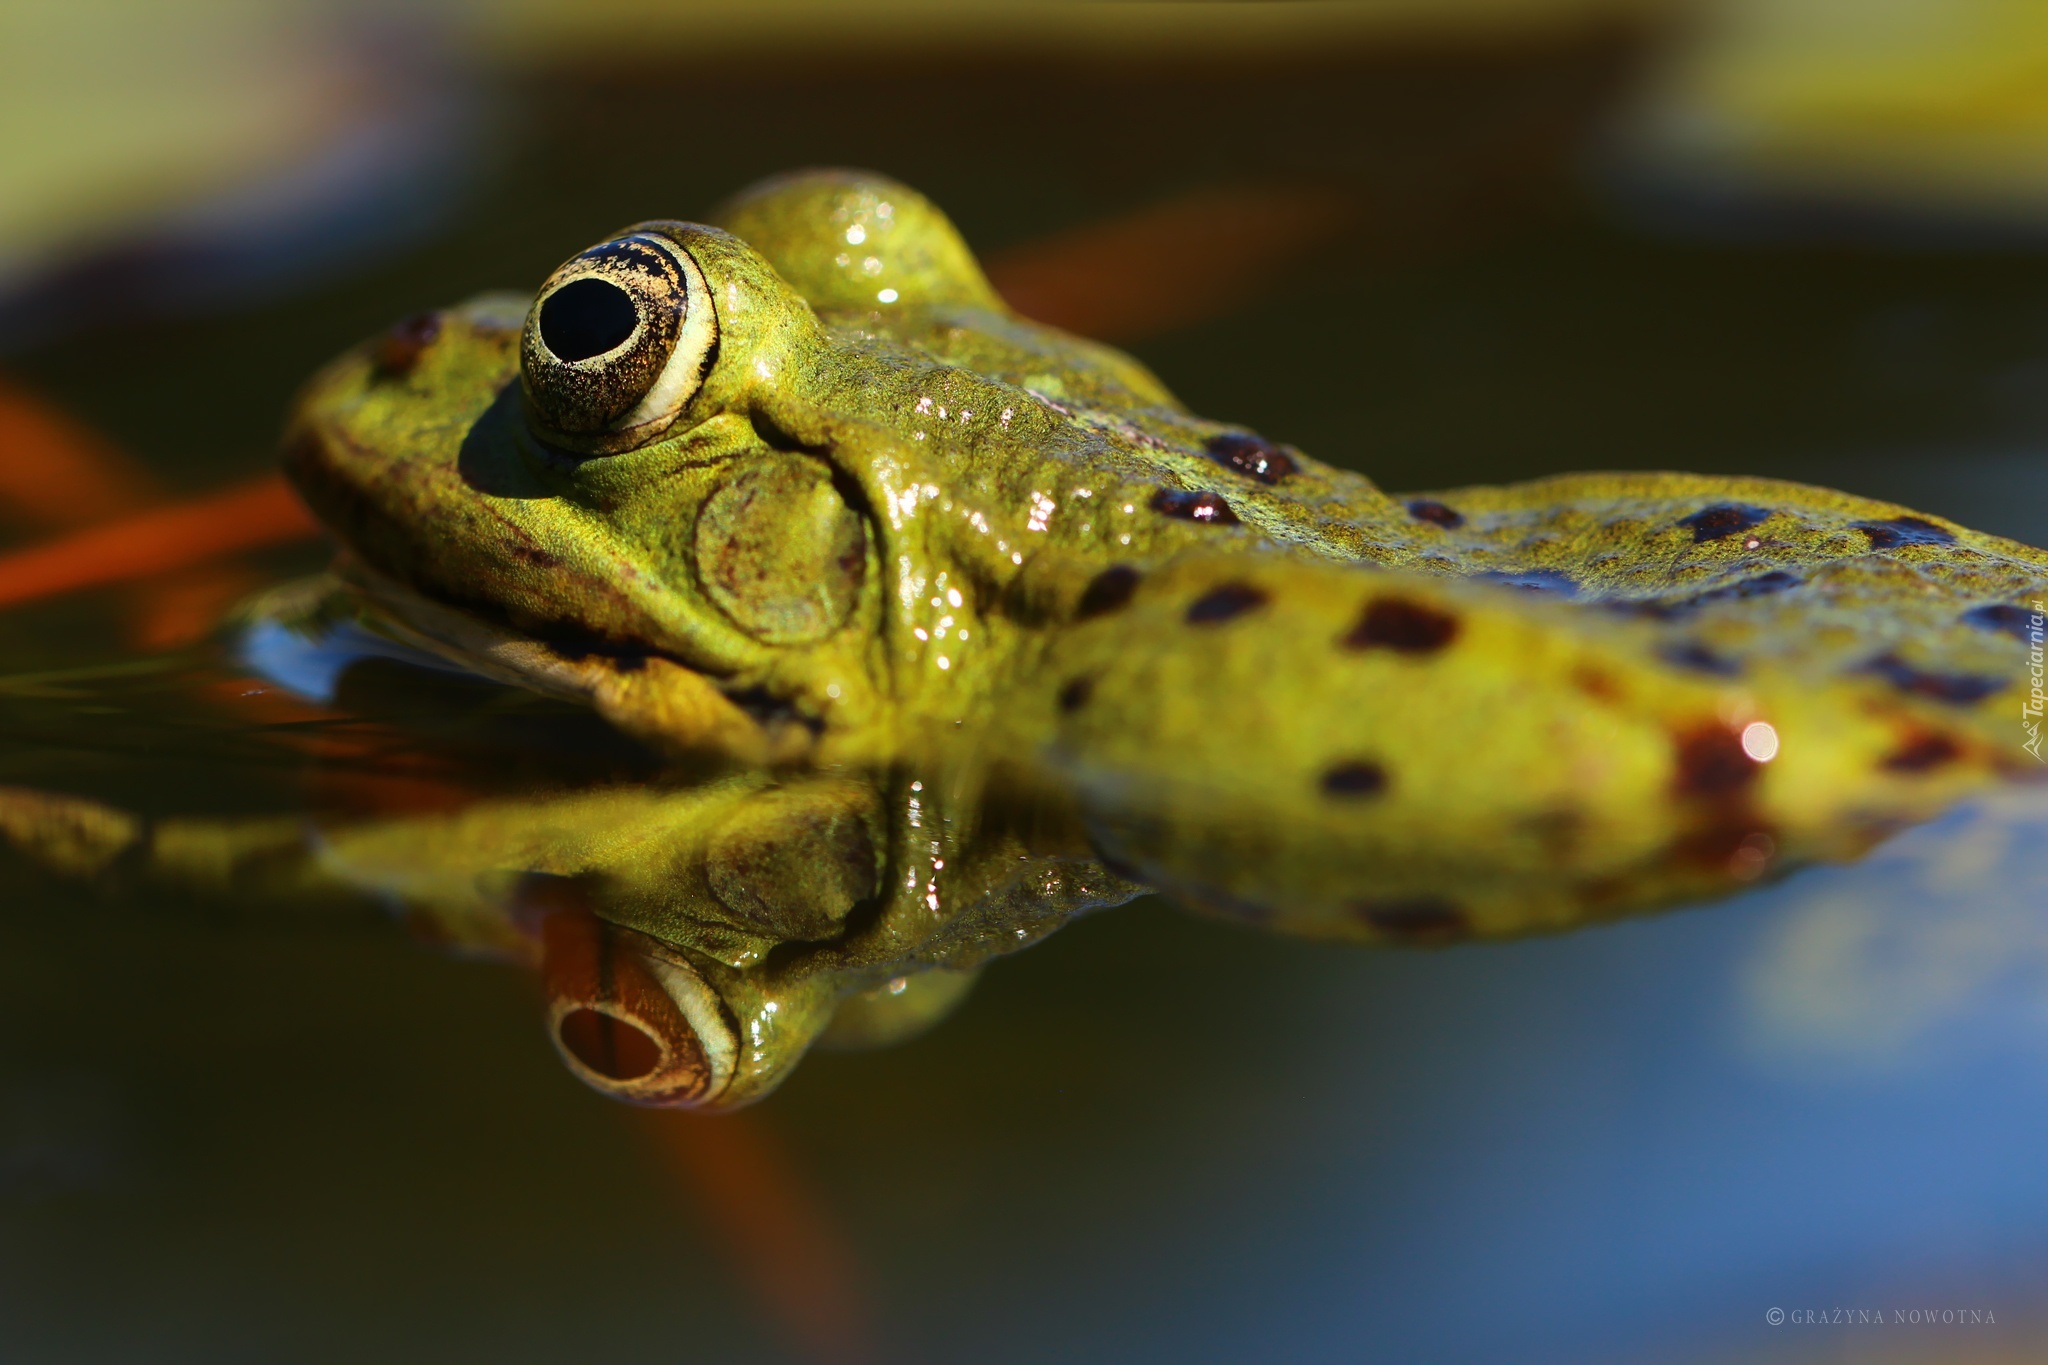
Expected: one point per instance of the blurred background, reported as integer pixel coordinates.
(1438, 241)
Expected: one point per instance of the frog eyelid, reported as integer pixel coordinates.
(681, 377)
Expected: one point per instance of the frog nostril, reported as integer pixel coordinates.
(399, 349)
(609, 1046)
(586, 318)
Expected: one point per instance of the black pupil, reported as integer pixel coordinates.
(587, 317)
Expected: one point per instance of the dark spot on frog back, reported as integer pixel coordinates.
(1108, 591)
(1226, 602)
(1711, 763)
(1250, 455)
(1416, 921)
(1076, 693)
(1895, 532)
(1955, 689)
(1190, 504)
(1354, 778)
(2018, 622)
(1436, 513)
(1402, 625)
(1922, 751)
(1722, 520)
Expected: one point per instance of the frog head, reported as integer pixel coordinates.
(797, 483)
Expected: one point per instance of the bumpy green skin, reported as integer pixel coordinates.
(900, 530)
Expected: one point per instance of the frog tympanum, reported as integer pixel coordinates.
(988, 630)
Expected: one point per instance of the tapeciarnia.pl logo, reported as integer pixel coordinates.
(2030, 710)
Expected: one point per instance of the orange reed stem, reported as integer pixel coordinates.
(783, 1241)
(244, 516)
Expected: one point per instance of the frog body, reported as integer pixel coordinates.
(799, 490)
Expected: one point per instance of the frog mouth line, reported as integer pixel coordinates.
(476, 643)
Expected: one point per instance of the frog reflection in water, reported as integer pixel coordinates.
(996, 632)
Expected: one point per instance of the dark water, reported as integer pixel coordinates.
(233, 1134)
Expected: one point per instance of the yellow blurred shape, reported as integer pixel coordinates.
(1935, 103)
(114, 113)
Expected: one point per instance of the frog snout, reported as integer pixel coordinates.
(631, 1018)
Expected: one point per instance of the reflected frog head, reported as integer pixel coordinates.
(694, 935)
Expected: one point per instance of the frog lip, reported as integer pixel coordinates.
(631, 1019)
(381, 554)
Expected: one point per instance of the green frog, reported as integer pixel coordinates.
(985, 630)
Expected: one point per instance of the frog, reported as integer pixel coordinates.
(794, 493)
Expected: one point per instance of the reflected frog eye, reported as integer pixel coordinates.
(616, 343)
(630, 1019)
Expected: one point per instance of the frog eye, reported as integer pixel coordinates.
(616, 343)
(632, 1020)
